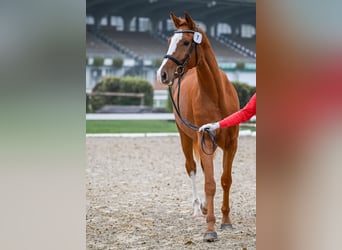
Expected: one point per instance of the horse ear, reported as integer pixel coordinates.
(189, 20)
(176, 20)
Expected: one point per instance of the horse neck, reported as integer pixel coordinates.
(208, 74)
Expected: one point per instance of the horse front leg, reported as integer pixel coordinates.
(226, 182)
(190, 166)
(210, 190)
(196, 202)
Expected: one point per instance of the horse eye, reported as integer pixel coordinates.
(186, 43)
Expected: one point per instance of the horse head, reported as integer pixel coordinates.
(184, 50)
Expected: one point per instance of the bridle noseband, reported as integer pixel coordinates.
(180, 74)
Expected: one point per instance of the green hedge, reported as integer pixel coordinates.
(124, 85)
(244, 92)
(240, 66)
(98, 61)
(88, 104)
(117, 62)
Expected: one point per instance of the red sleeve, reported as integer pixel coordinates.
(242, 115)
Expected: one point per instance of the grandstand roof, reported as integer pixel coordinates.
(229, 11)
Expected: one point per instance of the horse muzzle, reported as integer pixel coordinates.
(164, 79)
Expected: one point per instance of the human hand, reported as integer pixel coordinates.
(210, 126)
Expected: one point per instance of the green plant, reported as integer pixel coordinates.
(240, 66)
(137, 85)
(98, 61)
(244, 92)
(117, 62)
(107, 84)
(89, 108)
(123, 85)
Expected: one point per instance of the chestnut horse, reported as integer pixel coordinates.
(203, 94)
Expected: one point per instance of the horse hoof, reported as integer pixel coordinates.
(210, 237)
(226, 226)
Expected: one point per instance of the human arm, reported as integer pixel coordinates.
(240, 116)
(236, 118)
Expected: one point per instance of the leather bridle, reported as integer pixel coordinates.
(181, 65)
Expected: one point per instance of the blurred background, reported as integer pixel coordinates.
(130, 39)
(44, 80)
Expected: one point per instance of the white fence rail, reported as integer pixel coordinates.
(143, 116)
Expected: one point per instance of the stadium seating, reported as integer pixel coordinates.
(143, 45)
(246, 42)
(245, 46)
(225, 53)
(96, 47)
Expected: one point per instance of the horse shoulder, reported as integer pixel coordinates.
(231, 100)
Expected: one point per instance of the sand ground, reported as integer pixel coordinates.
(140, 197)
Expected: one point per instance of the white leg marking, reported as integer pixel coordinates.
(172, 48)
(204, 202)
(196, 202)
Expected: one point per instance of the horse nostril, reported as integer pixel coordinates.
(164, 76)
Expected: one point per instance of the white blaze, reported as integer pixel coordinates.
(172, 48)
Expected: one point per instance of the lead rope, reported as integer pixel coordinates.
(190, 125)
